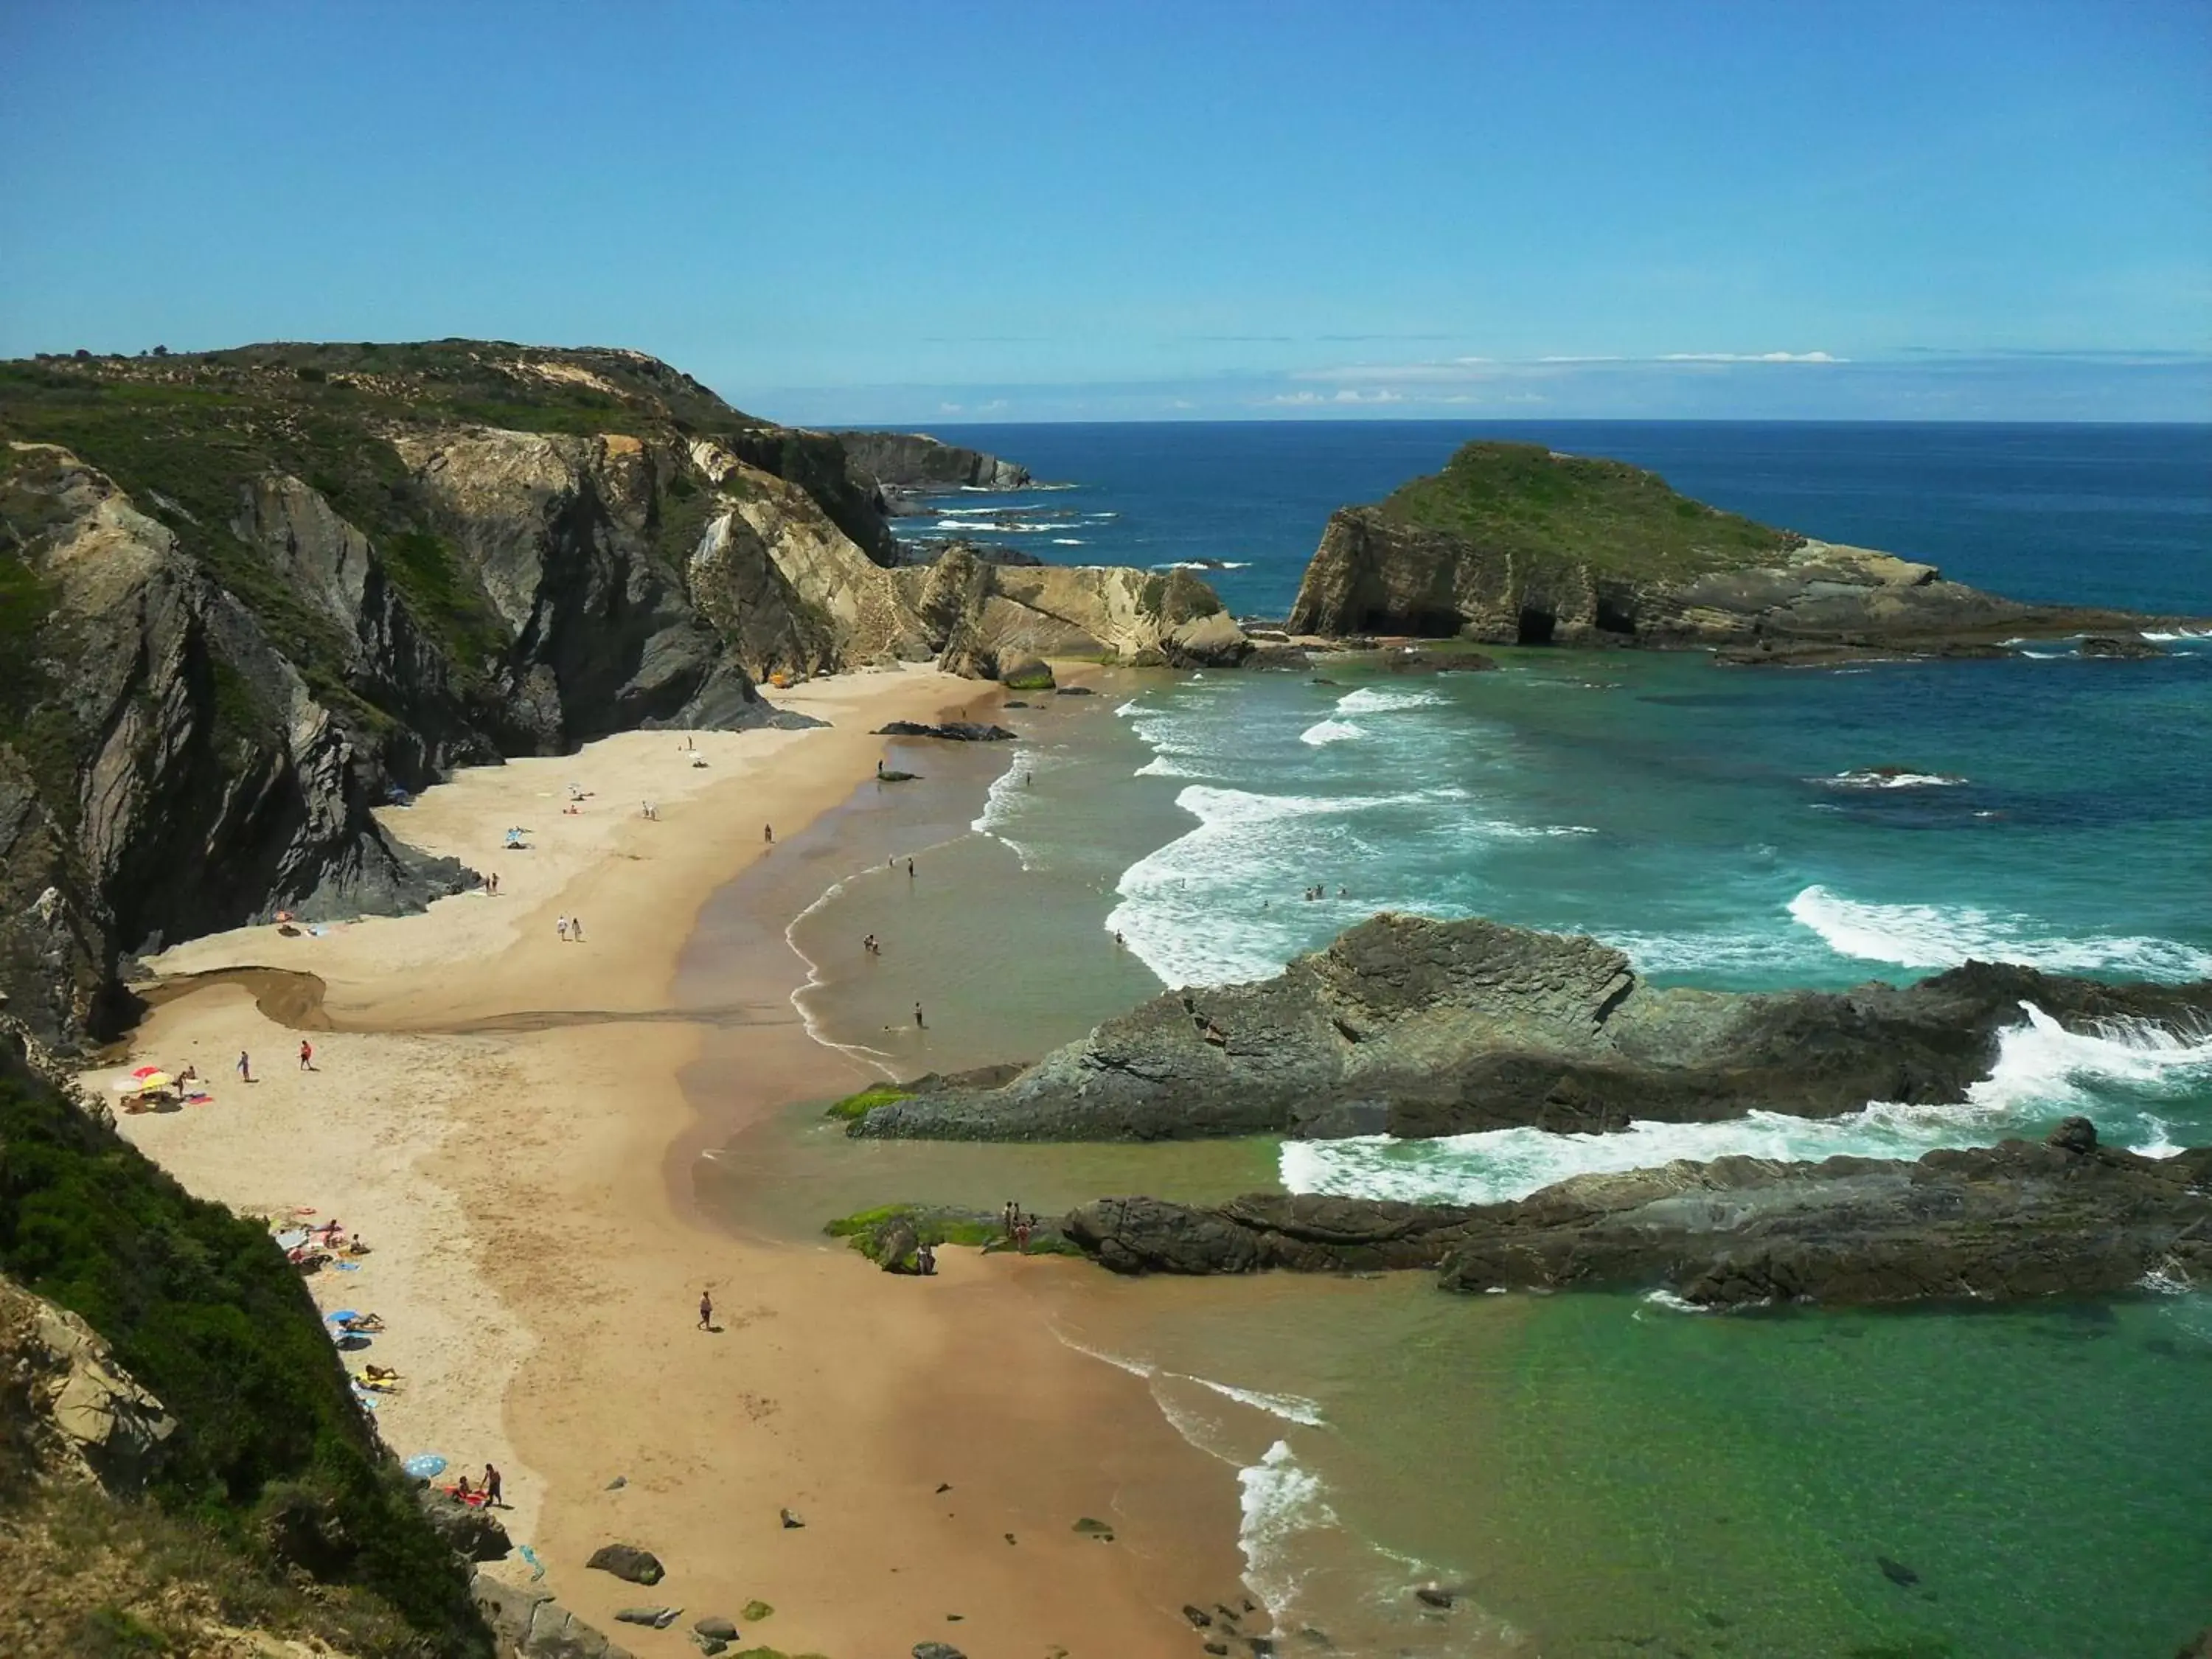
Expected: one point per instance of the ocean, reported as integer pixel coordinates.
(1601, 1475)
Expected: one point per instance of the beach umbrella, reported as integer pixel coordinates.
(146, 1071)
(425, 1466)
(342, 1313)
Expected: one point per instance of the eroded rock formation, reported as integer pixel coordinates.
(2018, 1220)
(1415, 1027)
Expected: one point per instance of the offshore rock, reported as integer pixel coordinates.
(1412, 1027)
(2021, 1219)
(1513, 543)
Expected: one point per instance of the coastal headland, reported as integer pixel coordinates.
(497, 1111)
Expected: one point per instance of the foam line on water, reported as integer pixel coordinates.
(1944, 936)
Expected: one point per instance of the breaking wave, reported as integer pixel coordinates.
(1937, 936)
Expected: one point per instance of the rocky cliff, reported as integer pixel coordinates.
(246, 595)
(1413, 1027)
(915, 461)
(1514, 543)
(2016, 1220)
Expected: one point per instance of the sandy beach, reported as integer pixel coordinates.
(498, 1112)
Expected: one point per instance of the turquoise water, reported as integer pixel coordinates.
(1604, 1476)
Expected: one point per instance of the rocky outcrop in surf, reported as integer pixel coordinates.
(2018, 1220)
(915, 461)
(1514, 543)
(1412, 1027)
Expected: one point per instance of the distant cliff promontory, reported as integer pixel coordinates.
(1515, 544)
(915, 461)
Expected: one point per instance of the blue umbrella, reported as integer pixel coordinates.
(342, 1314)
(425, 1466)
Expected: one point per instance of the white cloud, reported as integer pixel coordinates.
(948, 409)
(1750, 357)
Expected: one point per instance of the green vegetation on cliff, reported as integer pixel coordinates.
(272, 1465)
(1533, 503)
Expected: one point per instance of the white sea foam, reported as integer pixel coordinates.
(2174, 637)
(1203, 909)
(1204, 564)
(1936, 936)
(1004, 803)
(1281, 1499)
(1290, 1407)
(1067, 541)
(1381, 699)
(1330, 732)
(1888, 780)
(2042, 1064)
(2042, 1069)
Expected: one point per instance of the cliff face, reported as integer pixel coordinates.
(245, 596)
(915, 461)
(1514, 544)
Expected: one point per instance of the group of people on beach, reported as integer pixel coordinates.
(1017, 1225)
(569, 928)
(487, 1494)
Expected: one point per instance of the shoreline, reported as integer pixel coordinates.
(504, 1122)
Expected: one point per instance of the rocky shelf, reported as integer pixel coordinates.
(1413, 1027)
(2018, 1220)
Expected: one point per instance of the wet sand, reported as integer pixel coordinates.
(500, 1114)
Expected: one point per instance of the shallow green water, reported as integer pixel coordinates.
(1602, 1475)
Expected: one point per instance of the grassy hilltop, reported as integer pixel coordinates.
(1531, 503)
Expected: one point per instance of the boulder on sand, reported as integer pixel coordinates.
(628, 1561)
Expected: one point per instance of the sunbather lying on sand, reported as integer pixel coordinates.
(367, 1322)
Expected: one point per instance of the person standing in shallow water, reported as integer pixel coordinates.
(918, 1025)
(768, 834)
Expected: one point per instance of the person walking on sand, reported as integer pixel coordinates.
(245, 1067)
(768, 834)
(307, 1055)
(576, 929)
(706, 1310)
(561, 927)
(492, 1487)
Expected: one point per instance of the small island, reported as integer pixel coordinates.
(1513, 543)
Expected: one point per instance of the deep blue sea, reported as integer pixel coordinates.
(1608, 1475)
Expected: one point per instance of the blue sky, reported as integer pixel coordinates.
(908, 212)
